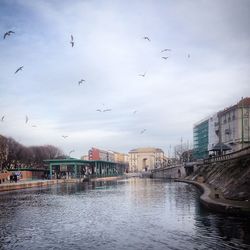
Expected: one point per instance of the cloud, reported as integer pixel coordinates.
(110, 53)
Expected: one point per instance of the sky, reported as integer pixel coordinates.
(207, 69)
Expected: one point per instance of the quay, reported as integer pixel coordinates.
(213, 176)
(59, 171)
(43, 183)
(213, 199)
(27, 184)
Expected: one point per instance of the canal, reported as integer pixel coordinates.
(125, 214)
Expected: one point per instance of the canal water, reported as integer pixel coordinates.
(126, 214)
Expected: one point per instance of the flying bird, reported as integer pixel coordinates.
(8, 33)
(143, 131)
(81, 81)
(71, 152)
(2, 118)
(106, 110)
(146, 38)
(188, 55)
(99, 110)
(165, 57)
(26, 119)
(143, 75)
(72, 41)
(65, 136)
(135, 112)
(166, 50)
(20, 68)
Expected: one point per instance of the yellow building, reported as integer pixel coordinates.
(120, 157)
(145, 159)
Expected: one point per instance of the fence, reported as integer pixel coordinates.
(231, 156)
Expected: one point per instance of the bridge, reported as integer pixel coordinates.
(75, 168)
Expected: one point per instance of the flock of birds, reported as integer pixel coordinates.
(80, 82)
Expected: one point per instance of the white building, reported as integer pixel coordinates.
(213, 133)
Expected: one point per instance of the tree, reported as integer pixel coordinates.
(14, 154)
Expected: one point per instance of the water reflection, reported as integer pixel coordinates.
(125, 214)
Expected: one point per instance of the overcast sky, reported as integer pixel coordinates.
(110, 53)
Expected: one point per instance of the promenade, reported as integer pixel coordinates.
(27, 184)
(42, 183)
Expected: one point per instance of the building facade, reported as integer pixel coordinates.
(120, 157)
(96, 154)
(200, 134)
(145, 159)
(233, 125)
(228, 128)
(213, 133)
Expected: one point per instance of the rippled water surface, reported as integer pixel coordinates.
(126, 214)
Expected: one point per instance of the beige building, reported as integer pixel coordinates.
(85, 158)
(233, 125)
(120, 157)
(145, 159)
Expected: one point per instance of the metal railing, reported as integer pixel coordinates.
(231, 156)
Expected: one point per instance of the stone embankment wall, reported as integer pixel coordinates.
(173, 172)
(231, 177)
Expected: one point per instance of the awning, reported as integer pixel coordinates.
(221, 147)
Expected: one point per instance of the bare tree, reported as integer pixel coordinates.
(14, 154)
(3, 151)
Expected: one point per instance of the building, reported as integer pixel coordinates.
(95, 154)
(145, 159)
(213, 133)
(225, 131)
(200, 134)
(233, 125)
(85, 157)
(120, 157)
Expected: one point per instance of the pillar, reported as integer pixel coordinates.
(75, 170)
(50, 171)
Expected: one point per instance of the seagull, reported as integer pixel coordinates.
(71, 152)
(143, 131)
(8, 33)
(26, 119)
(106, 110)
(2, 118)
(20, 68)
(146, 38)
(65, 136)
(81, 81)
(165, 57)
(166, 50)
(72, 41)
(99, 110)
(143, 75)
(188, 55)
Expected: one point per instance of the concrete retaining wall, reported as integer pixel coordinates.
(28, 184)
(173, 172)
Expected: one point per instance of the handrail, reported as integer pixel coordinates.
(230, 156)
